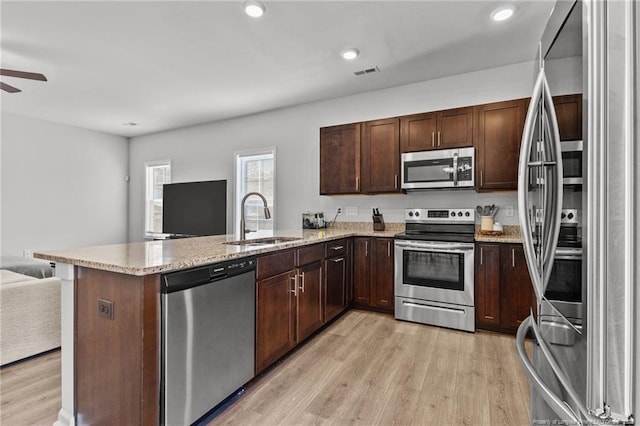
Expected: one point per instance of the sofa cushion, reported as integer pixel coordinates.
(8, 277)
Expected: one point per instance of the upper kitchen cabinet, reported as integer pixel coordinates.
(381, 156)
(499, 132)
(451, 128)
(569, 114)
(340, 159)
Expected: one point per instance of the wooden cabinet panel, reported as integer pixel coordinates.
(451, 128)
(275, 317)
(455, 128)
(309, 254)
(340, 159)
(381, 156)
(383, 291)
(516, 291)
(361, 272)
(336, 248)
(335, 288)
(274, 264)
(499, 133)
(569, 114)
(309, 310)
(487, 284)
(126, 349)
(418, 132)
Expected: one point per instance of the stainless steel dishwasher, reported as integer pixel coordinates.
(208, 337)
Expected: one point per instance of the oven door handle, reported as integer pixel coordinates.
(453, 248)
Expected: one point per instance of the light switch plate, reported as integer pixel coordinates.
(351, 211)
(509, 211)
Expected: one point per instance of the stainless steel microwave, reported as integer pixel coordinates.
(571, 162)
(442, 168)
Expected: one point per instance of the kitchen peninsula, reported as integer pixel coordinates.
(111, 316)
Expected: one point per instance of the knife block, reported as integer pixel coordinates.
(378, 223)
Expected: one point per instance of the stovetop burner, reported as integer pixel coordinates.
(455, 225)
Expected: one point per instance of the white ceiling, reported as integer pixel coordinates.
(169, 64)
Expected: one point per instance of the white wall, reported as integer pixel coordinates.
(206, 151)
(62, 186)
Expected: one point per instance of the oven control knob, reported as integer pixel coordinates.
(417, 214)
(563, 215)
(453, 214)
(467, 214)
(410, 214)
(570, 216)
(459, 214)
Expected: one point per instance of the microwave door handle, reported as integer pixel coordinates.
(555, 402)
(455, 166)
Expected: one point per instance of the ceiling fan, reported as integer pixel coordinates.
(18, 74)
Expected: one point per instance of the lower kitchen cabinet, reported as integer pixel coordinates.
(503, 291)
(373, 273)
(335, 300)
(309, 299)
(275, 318)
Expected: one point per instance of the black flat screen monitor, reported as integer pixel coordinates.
(195, 208)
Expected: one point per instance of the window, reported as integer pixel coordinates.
(157, 174)
(255, 172)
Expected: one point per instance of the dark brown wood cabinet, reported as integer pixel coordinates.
(380, 166)
(335, 264)
(340, 159)
(275, 318)
(517, 295)
(124, 349)
(569, 114)
(309, 299)
(373, 273)
(498, 136)
(451, 128)
(503, 290)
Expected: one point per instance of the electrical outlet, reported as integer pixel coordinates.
(338, 210)
(105, 309)
(27, 253)
(351, 211)
(509, 211)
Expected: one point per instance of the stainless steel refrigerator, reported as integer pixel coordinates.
(584, 366)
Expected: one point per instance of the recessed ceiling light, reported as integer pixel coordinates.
(350, 53)
(502, 13)
(253, 8)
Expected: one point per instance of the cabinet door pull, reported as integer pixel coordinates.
(481, 178)
(338, 260)
(513, 258)
(357, 183)
(481, 255)
(337, 248)
(388, 248)
(439, 142)
(302, 281)
(366, 248)
(433, 139)
(395, 185)
(295, 285)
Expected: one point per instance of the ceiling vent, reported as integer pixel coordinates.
(367, 71)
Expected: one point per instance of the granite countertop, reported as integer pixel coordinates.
(150, 257)
(511, 235)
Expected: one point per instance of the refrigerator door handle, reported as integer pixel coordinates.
(555, 402)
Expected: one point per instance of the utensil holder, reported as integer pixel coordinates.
(378, 223)
(486, 223)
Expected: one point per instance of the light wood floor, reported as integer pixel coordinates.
(369, 369)
(30, 391)
(364, 369)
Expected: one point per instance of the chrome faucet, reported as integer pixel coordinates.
(267, 213)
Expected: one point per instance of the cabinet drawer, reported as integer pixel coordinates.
(309, 254)
(275, 263)
(336, 248)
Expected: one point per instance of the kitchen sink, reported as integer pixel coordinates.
(263, 241)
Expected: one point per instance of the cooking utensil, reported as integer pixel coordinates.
(479, 210)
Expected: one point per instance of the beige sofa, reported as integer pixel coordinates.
(29, 315)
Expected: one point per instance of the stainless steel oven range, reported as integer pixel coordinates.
(434, 268)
